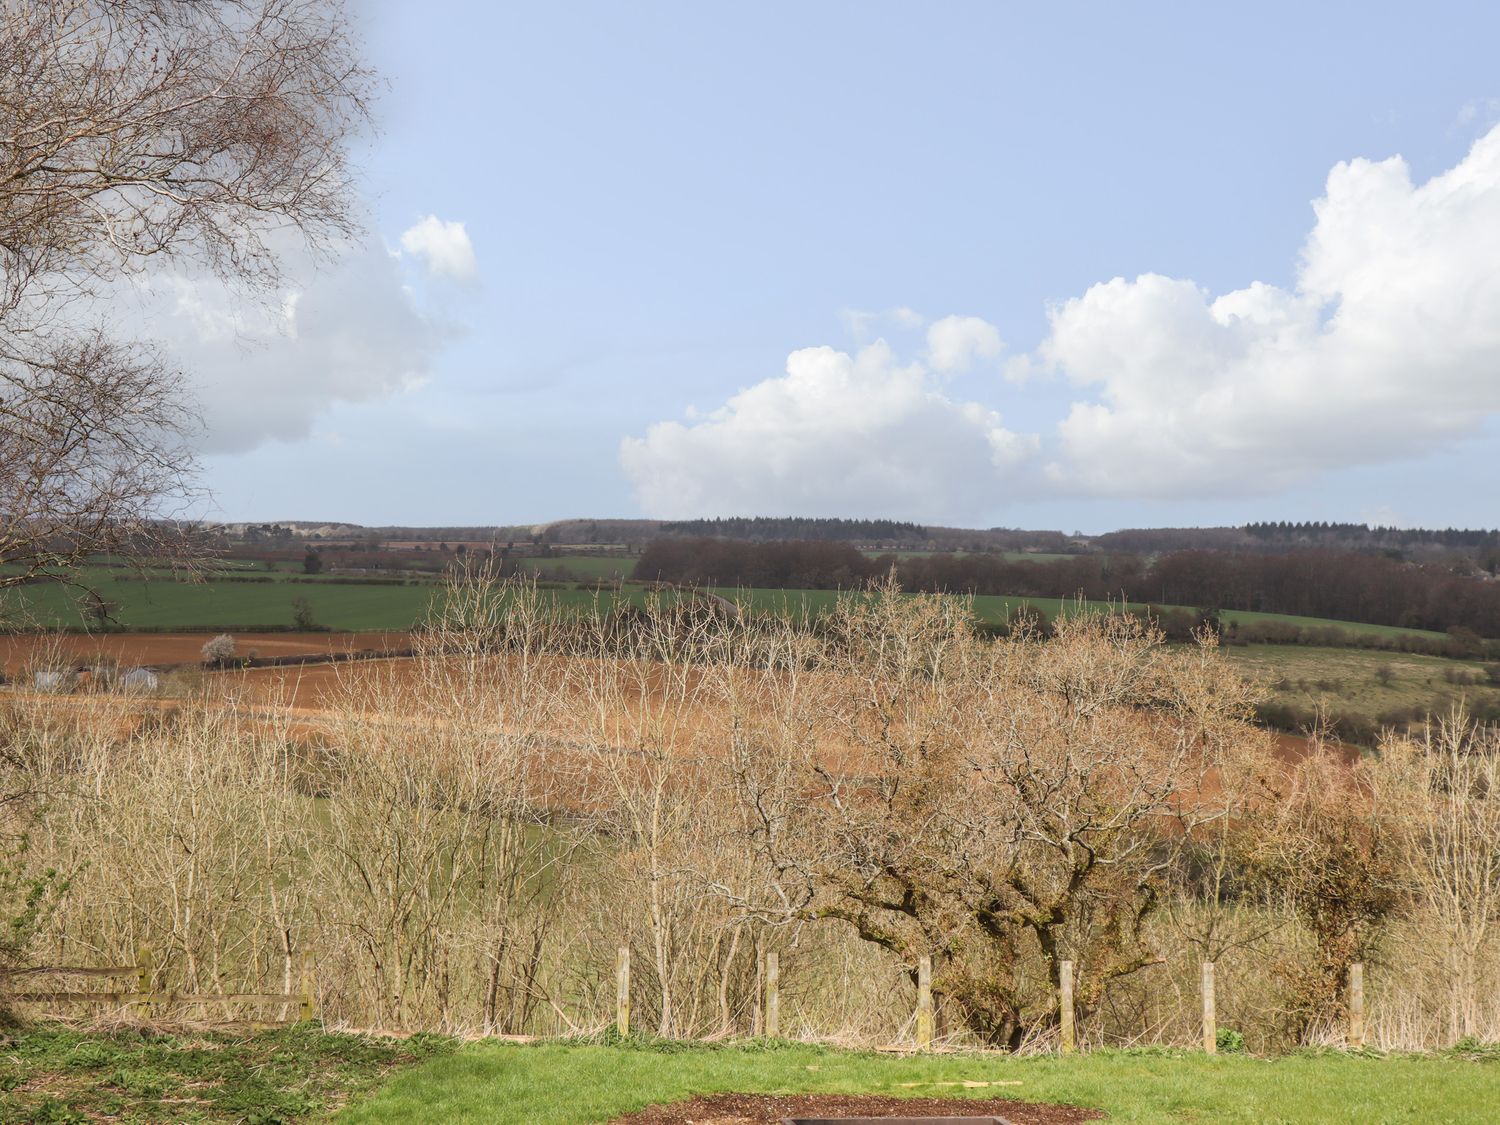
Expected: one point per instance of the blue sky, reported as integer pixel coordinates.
(855, 259)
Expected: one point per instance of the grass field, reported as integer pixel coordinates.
(1008, 556)
(993, 609)
(571, 1085)
(582, 567)
(164, 603)
(1363, 682)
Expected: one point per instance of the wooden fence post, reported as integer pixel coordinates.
(622, 992)
(1357, 1004)
(757, 1013)
(1210, 1014)
(145, 971)
(1065, 1007)
(773, 995)
(305, 1010)
(924, 1003)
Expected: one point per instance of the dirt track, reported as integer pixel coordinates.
(766, 1109)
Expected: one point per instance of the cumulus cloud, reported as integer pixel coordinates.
(855, 434)
(1387, 346)
(350, 332)
(955, 342)
(444, 247)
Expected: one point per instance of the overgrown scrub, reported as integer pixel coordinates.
(463, 841)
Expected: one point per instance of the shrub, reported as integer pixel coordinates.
(1229, 1041)
(218, 650)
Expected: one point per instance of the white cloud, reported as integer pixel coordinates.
(350, 332)
(1388, 346)
(857, 434)
(955, 342)
(444, 247)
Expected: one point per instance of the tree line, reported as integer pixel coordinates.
(1341, 585)
(762, 528)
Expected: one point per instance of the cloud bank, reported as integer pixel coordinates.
(858, 434)
(1387, 346)
(350, 331)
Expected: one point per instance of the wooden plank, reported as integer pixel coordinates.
(73, 971)
(154, 997)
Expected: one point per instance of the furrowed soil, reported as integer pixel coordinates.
(18, 651)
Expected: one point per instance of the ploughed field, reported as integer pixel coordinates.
(1379, 687)
(19, 651)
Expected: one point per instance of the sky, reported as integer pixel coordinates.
(1066, 265)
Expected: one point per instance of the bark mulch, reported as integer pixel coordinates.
(767, 1109)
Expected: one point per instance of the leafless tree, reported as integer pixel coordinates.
(207, 132)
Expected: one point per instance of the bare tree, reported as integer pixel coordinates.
(130, 130)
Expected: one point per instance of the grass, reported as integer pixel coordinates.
(1365, 682)
(1008, 556)
(582, 567)
(994, 608)
(555, 1084)
(55, 1074)
(167, 604)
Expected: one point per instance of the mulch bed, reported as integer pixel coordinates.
(767, 1109)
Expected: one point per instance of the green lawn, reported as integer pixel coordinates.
(555, 1084)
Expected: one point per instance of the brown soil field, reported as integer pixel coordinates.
(312, 687)
(17, 650)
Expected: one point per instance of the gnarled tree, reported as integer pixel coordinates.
(1000, 806)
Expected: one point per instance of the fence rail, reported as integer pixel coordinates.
(148, 999)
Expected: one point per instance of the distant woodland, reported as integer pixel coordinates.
(1343, 585)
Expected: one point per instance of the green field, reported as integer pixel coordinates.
(570, 1085)
(582, 567)
(165, 603)
(1008, 556)
(1366, 683)
(993, 609)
